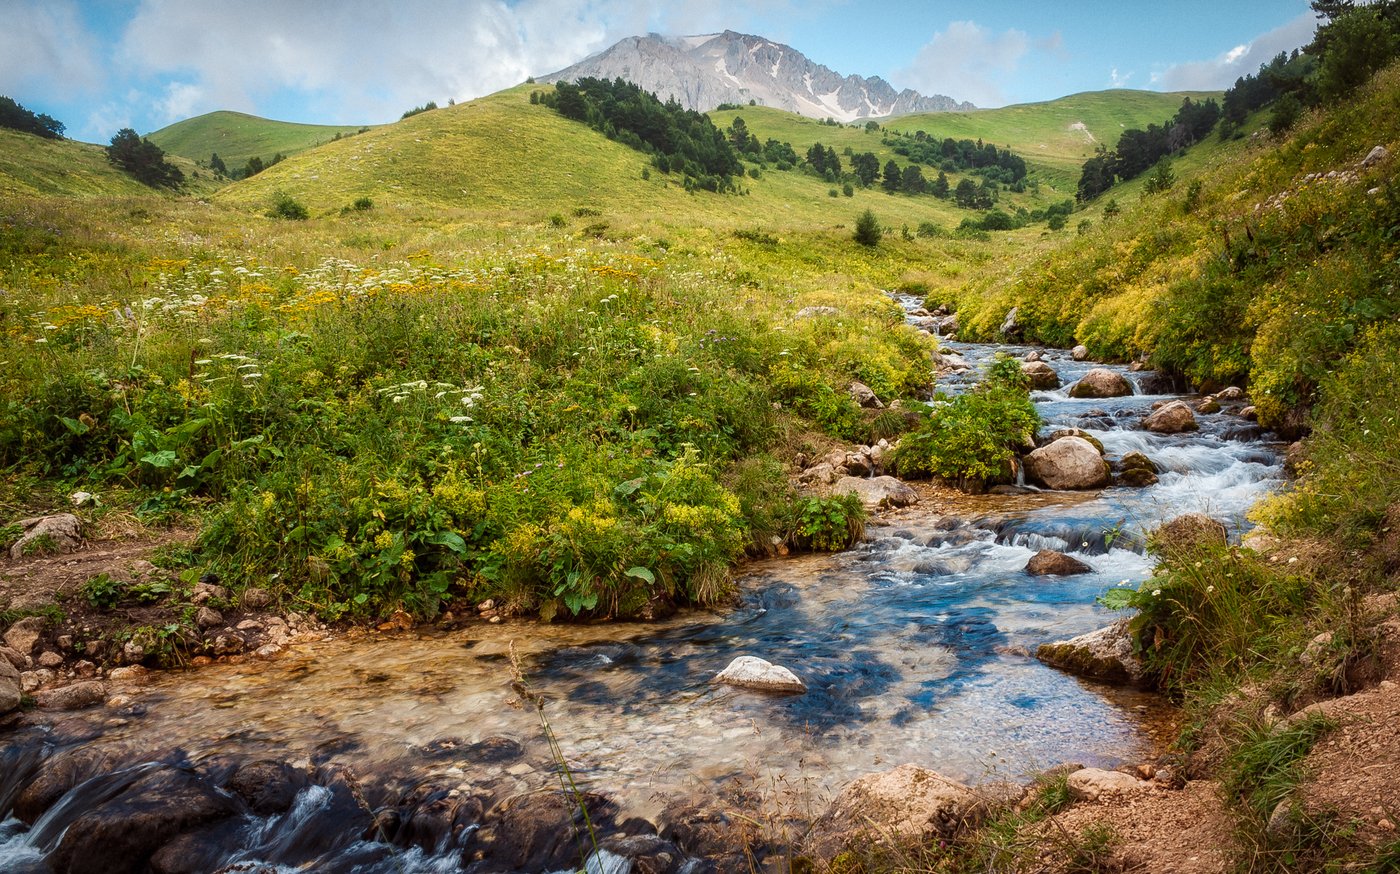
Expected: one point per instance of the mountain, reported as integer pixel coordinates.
(236, 137)
(703, 72)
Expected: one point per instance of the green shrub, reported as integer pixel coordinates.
(362, 204)
(868, 231)
(973, 439)
(285, 207)
(829, 524)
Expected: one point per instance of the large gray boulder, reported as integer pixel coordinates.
(1101, 383)
(1042, 376)
(906, 804)
(52, 535)
(751, 672)
(1068, 463)
(877, 492)
(1173, 418)
(1105, 654)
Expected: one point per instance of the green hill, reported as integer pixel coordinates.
(31, 165)
(236, 137)
(503, 156)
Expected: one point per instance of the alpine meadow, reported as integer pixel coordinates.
(622, 472)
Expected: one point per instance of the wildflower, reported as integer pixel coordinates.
(1156, 593)
(1210, 589)
(1293, 560)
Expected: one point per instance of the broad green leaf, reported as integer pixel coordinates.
(641, 573)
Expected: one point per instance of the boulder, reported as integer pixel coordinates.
(1375, 156)
(74, 697)
(1011, 326)
(1137, 470)
(1208, 406)
(821, 473)
(1076, 432)
(1079, 353)
(877, 492)
(1042, 376)
(1172, 418)
(267, 786)
(58, 774)
(208, 617)
(120, 834)
(1048, 562)
(1188, 533)
(11, 692)
(858, 464)
(750, 672)
(254, 598)
(54, 535)
(538, 831)
(1068, 463)
(1033, 355)
(1229, 393)
(1089, 784)
(1155, 382)
(24, 634)
(1250, 413)
(50, 660)
(1101, 383)
(903, 805)
(865, 396)
(1105, 654)
(14, 657)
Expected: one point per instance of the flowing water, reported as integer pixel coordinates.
(914, 647)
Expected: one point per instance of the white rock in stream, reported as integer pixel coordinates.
(751, 672)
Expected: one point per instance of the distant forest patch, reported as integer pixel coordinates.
(679, 140)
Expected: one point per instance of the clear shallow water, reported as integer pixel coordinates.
(914, 647)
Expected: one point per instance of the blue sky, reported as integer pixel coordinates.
(100, 66)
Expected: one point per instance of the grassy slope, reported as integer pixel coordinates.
(1042, 133)
(502, 157)
(31, 165)
(236, 137)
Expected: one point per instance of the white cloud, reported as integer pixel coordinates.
(967, 62)
(1224, 69)
(1118, 80)
(360, 59)
(45, 51)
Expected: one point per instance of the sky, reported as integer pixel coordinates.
(103, 65)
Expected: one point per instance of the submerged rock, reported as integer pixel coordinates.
(1048, 562)
(1101, 383)
(1105, 654)
(121, 834)
(750, 672)
(907, 803)
(1172, 418)
(877, 492)
(1068, 463)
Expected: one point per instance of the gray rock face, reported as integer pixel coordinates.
(58, 534)
(701, 72)
(1011, 326)
(1068, 463)
(750, 672)
(1105, 654)
(877, 492)
(1375, 156)
(1101, 383)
